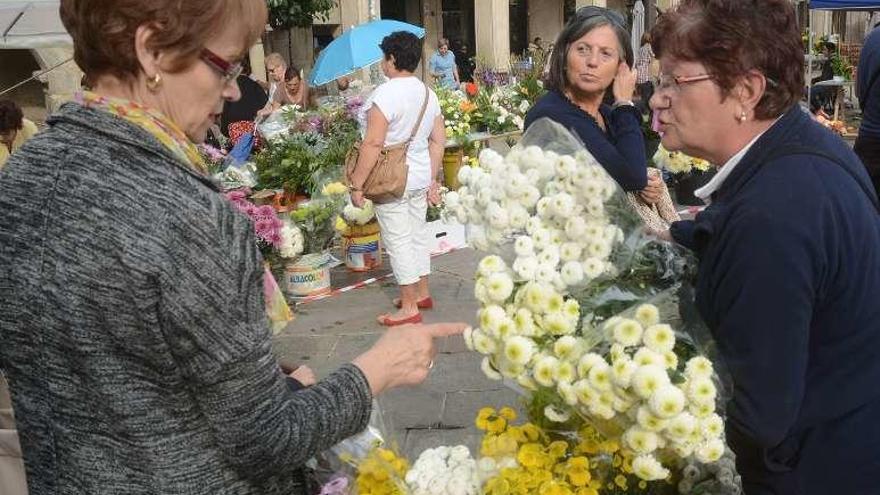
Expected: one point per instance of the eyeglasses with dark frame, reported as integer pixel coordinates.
(674, 83)
(229, 71)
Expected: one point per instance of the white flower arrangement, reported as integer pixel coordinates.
(292, 241)
(446, 470)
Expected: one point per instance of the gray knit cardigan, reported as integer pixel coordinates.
(133, 328)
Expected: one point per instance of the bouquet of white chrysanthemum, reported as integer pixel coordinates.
(359, 216)
(444, 470)
(677, 162)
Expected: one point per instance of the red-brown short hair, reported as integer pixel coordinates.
(732, 37)
(103, 31)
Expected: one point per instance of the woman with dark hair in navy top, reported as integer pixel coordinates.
(593, 55)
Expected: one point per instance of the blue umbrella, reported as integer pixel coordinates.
(356, 48)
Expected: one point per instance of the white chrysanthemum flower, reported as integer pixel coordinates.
(645, 356)
(533, 225)
(541, 238)
(649, 421)
(585, 392)
(640, 440)
(524, 246)
(648, 468)
(617, 352)
(600, 376)
(489, 265)
(483, 197)
(710, 451)
(468, 336)
(497, 216)
(480, 292)
(667, 402)
(659, 337)
(464, 175)
(586, 363)
(511, 370)
(499, 286)
(622, 372)
(530, 197)
(524, 322)
(565, 165)
(535, 297)
(490, 316)
(701, 391)
(526, 268)
(483, 343)
(628, 332)
(572, 309)
(545, 273)
(556, 415)
(489, 370)
(598, 249)
(572, 273)
(461, 214)
(451, 199)
(712, 426)
(542, 208)
(680, 427)
(647, 315)
(526, 382)
(684, 449)
(489, 156)
(593, 268)
(555, 302)
(556, 323)
(566, 347)
(575, 228)
(519, 350)
(565, 372)
(593, 231)
(515, 184)
(562, 204)
(648, 379)
(504, 328)
(545, 370)
(701, 411)
(517, 217)
(671, 360)
(566, 391)
(698, 367)
(570, 251)
(549, 255)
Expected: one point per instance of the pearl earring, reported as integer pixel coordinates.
(742, 116)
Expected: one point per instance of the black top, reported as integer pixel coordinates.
(620, 149)
(253, 98)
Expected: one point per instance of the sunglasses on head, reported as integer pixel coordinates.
(612, 16)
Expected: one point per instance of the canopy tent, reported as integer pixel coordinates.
(845, 5)
(30, 25)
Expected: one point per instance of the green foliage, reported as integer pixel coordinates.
(316, 220)
(841, 66)
(285, 14)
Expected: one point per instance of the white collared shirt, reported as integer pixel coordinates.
(705, 193)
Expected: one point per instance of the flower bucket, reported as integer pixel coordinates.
(362, 247)
(451, 164)
(309, 275)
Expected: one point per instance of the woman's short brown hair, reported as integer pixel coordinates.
(103, 31)
(732, 37)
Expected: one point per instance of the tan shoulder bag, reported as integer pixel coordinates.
(387, 179)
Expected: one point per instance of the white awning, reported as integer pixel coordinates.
(29, 25)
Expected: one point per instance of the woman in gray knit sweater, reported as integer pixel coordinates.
(132, 318)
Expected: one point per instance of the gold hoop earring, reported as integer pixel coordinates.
(154, 82)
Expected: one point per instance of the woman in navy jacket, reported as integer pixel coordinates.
(593, 54)
(789, 248)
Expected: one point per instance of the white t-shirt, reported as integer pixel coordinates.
(400, 100)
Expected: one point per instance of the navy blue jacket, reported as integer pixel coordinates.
(789, 280)
(868, 86)
(621, 151)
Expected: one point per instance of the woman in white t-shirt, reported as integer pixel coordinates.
(391, 114)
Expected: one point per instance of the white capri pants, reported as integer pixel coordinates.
(402, 225)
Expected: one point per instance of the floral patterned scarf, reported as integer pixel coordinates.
(152, 121)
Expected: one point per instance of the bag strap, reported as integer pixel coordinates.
(421, 116)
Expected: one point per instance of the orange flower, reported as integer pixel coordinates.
(467, 107)
(471, 89)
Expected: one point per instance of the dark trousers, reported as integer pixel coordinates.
(868, 149)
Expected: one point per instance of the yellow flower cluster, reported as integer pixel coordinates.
(334, 189)
(382, 473)
(677, 162)
(543, 465)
